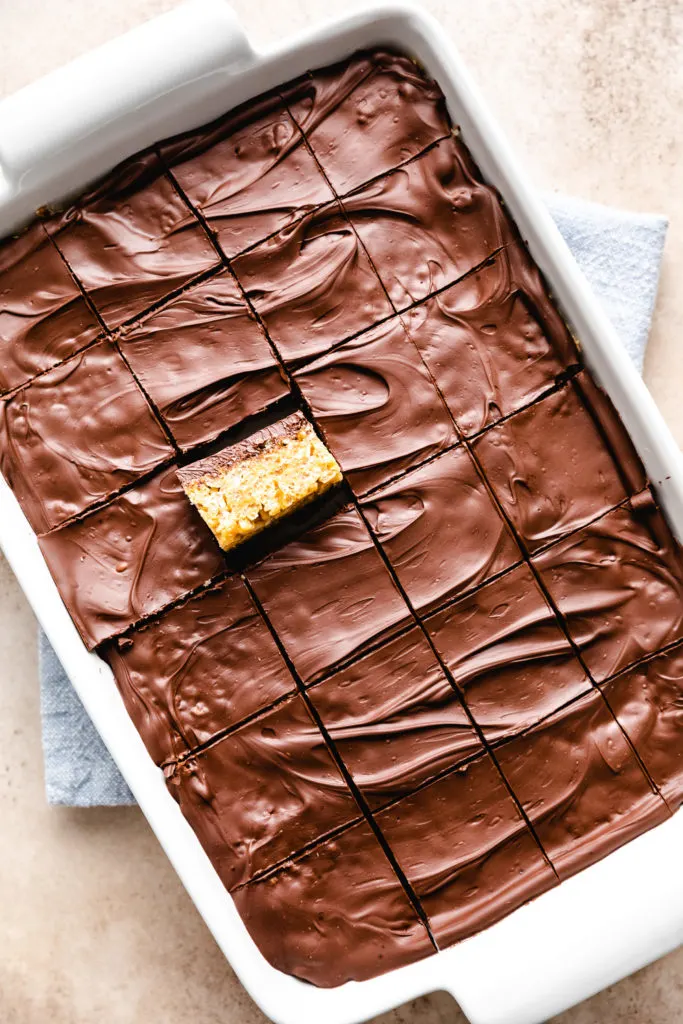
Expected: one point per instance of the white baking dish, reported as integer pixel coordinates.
(174, 73)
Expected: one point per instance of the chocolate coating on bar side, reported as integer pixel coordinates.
(440, 530)
(494, 341)
(429, 223)
(43, 316)
(507, 653)
(466, 850)
(132, 240)
(377, 406)
(76, 435)
(200, 668)
(263, 793)
(366, 116)
(337, 914)
(619, 584)
(313, 285)
(328, 594)
(394, 719)
(581, 785)
(204, 361)
(550, 467)
(143, 551)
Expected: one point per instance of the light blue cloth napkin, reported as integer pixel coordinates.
(620, 254)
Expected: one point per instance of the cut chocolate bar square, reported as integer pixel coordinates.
(328, 595)
(132, 240)
(343, 910)
(377, 406)
(440, 530)
(144, 550)
(263, 793)
(580, 784)
(466, 850)
(395, 719)
(198, 669)
(77, 435)
(204, 361)
(43, 316)
(507, 653)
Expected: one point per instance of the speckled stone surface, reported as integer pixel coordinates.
(96, 925)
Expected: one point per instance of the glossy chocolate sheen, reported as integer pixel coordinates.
(551, 468)
(440, 530)
(581, 785)
(429, 223)
(395, 719)
(144, 550)
(494, 341)
(328, 594)
(504, 648)
(250, 174)
(343, 912)
(263, 793)
(313, 285)
(198, 669)
(132, 240)
(204, 361)
(377, 406)
(367, 117)
(76, 435)
(619, 585)
(466, 850)
(648, 704)
(43, 316)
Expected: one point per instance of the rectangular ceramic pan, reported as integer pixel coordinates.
(177, 72)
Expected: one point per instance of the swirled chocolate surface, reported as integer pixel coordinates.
(328, 594)
(429, 223)
(619, 585)
(198, 669)
(262, 793)
(132, 240)
(43, 316)
(580, 783)
(144, 550)
(76, 435)
(494, 341)
(364, 923)
(506, 651)
(395, 719)
(466, 850)
(440, 529)
(377, 406)
(550, 465)
(204, 361)
(312, 285)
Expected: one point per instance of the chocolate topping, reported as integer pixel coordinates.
(465, 849)
(440, 530)
(313, 285)
(43, 316)
(200, 668)
(395, 719)
(144, 550)
(132, 240)
(581, 785)
(328, 595)
(204, 361)
(264, 792)
(76, 435)
(342, 909)
(507, 653)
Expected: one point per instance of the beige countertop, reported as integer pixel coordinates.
(95, 927)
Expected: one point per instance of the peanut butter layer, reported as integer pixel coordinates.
(246, 487)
